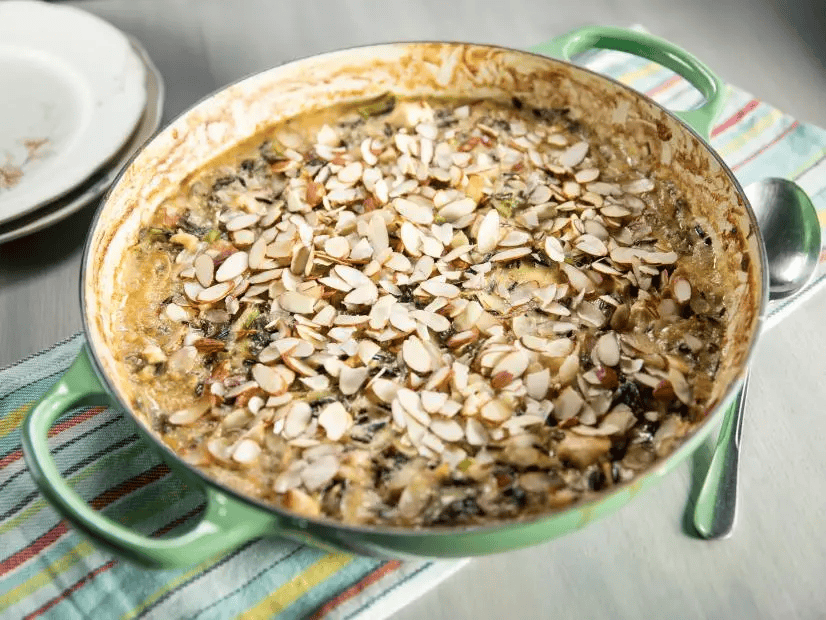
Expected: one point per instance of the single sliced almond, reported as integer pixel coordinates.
(270, 380)
(246, 451)
(232, 267)
(335, 420)
(204, 270)
(608, 350)
(351, 379)
(537, 383)
(487, 237)
(416, 355)
(449, 430)
(296, 419)
(296, 302)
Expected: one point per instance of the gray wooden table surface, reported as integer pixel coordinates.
(643, 561)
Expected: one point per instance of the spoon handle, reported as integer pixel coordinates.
(716, 508)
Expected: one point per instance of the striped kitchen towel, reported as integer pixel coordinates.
(47, 570)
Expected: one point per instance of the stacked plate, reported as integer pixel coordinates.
(77, 99)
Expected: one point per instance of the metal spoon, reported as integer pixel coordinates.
(791, 233)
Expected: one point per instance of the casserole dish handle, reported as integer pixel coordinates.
(655, 49)
(226, 522)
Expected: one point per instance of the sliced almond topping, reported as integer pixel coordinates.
(413, 211)
(204, 269)
(574, 154)
(335, 420)
(496, 410)
(554, 250)
(246, 451)
(449, 430)
(270, 380)
(537, 383)
(433, 401)
(513, 363)
(568, 404)
(232, 267)
(296, 419)
(440, 289)
(416, 356)
(681, 289)
(243, 221)
(351, 379)
(384, 389)
(296, 302)
(487, 236)
(477, 434)
(214, 293)
(608, 349)
(509, 255)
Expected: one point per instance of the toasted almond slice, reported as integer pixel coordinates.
(351, 379)
(433, 401)
(296, 302)
(362, 251)
(335, 420)
(232, 267)
(295, 347)
(659, 258)
(434, 321)
(215, 292)
(587, 175)
(325, 316)
(537, 383)
(515, 238)
(337, 247)
(440, 289)
(351, 276)
(204, 269)
(363, 295)
(510, 255)
(608, 349)
(487, 236)
(568, 404)
(381, 311)
(334, 283)
(190, 414)
(350, 173)
(496, 410)
(367, 350)
(591, 245)
(192, 290)
(384, 389)
(454, 211)
(269, 379)
(416, 355)
(296, 419)
(242, 221)
(432, 247)
(413, 211)
(246, 451)
(681, 388)
(554, 249)
(574, 154)
(411, 238)
(449, 430)
(399, 262)
(476, 433)
(513, 363)
(681, 289)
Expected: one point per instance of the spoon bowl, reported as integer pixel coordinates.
(791, 233)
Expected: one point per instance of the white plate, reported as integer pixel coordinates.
(72, 91)
(94, 187)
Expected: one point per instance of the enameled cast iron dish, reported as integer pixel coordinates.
(615, 112)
